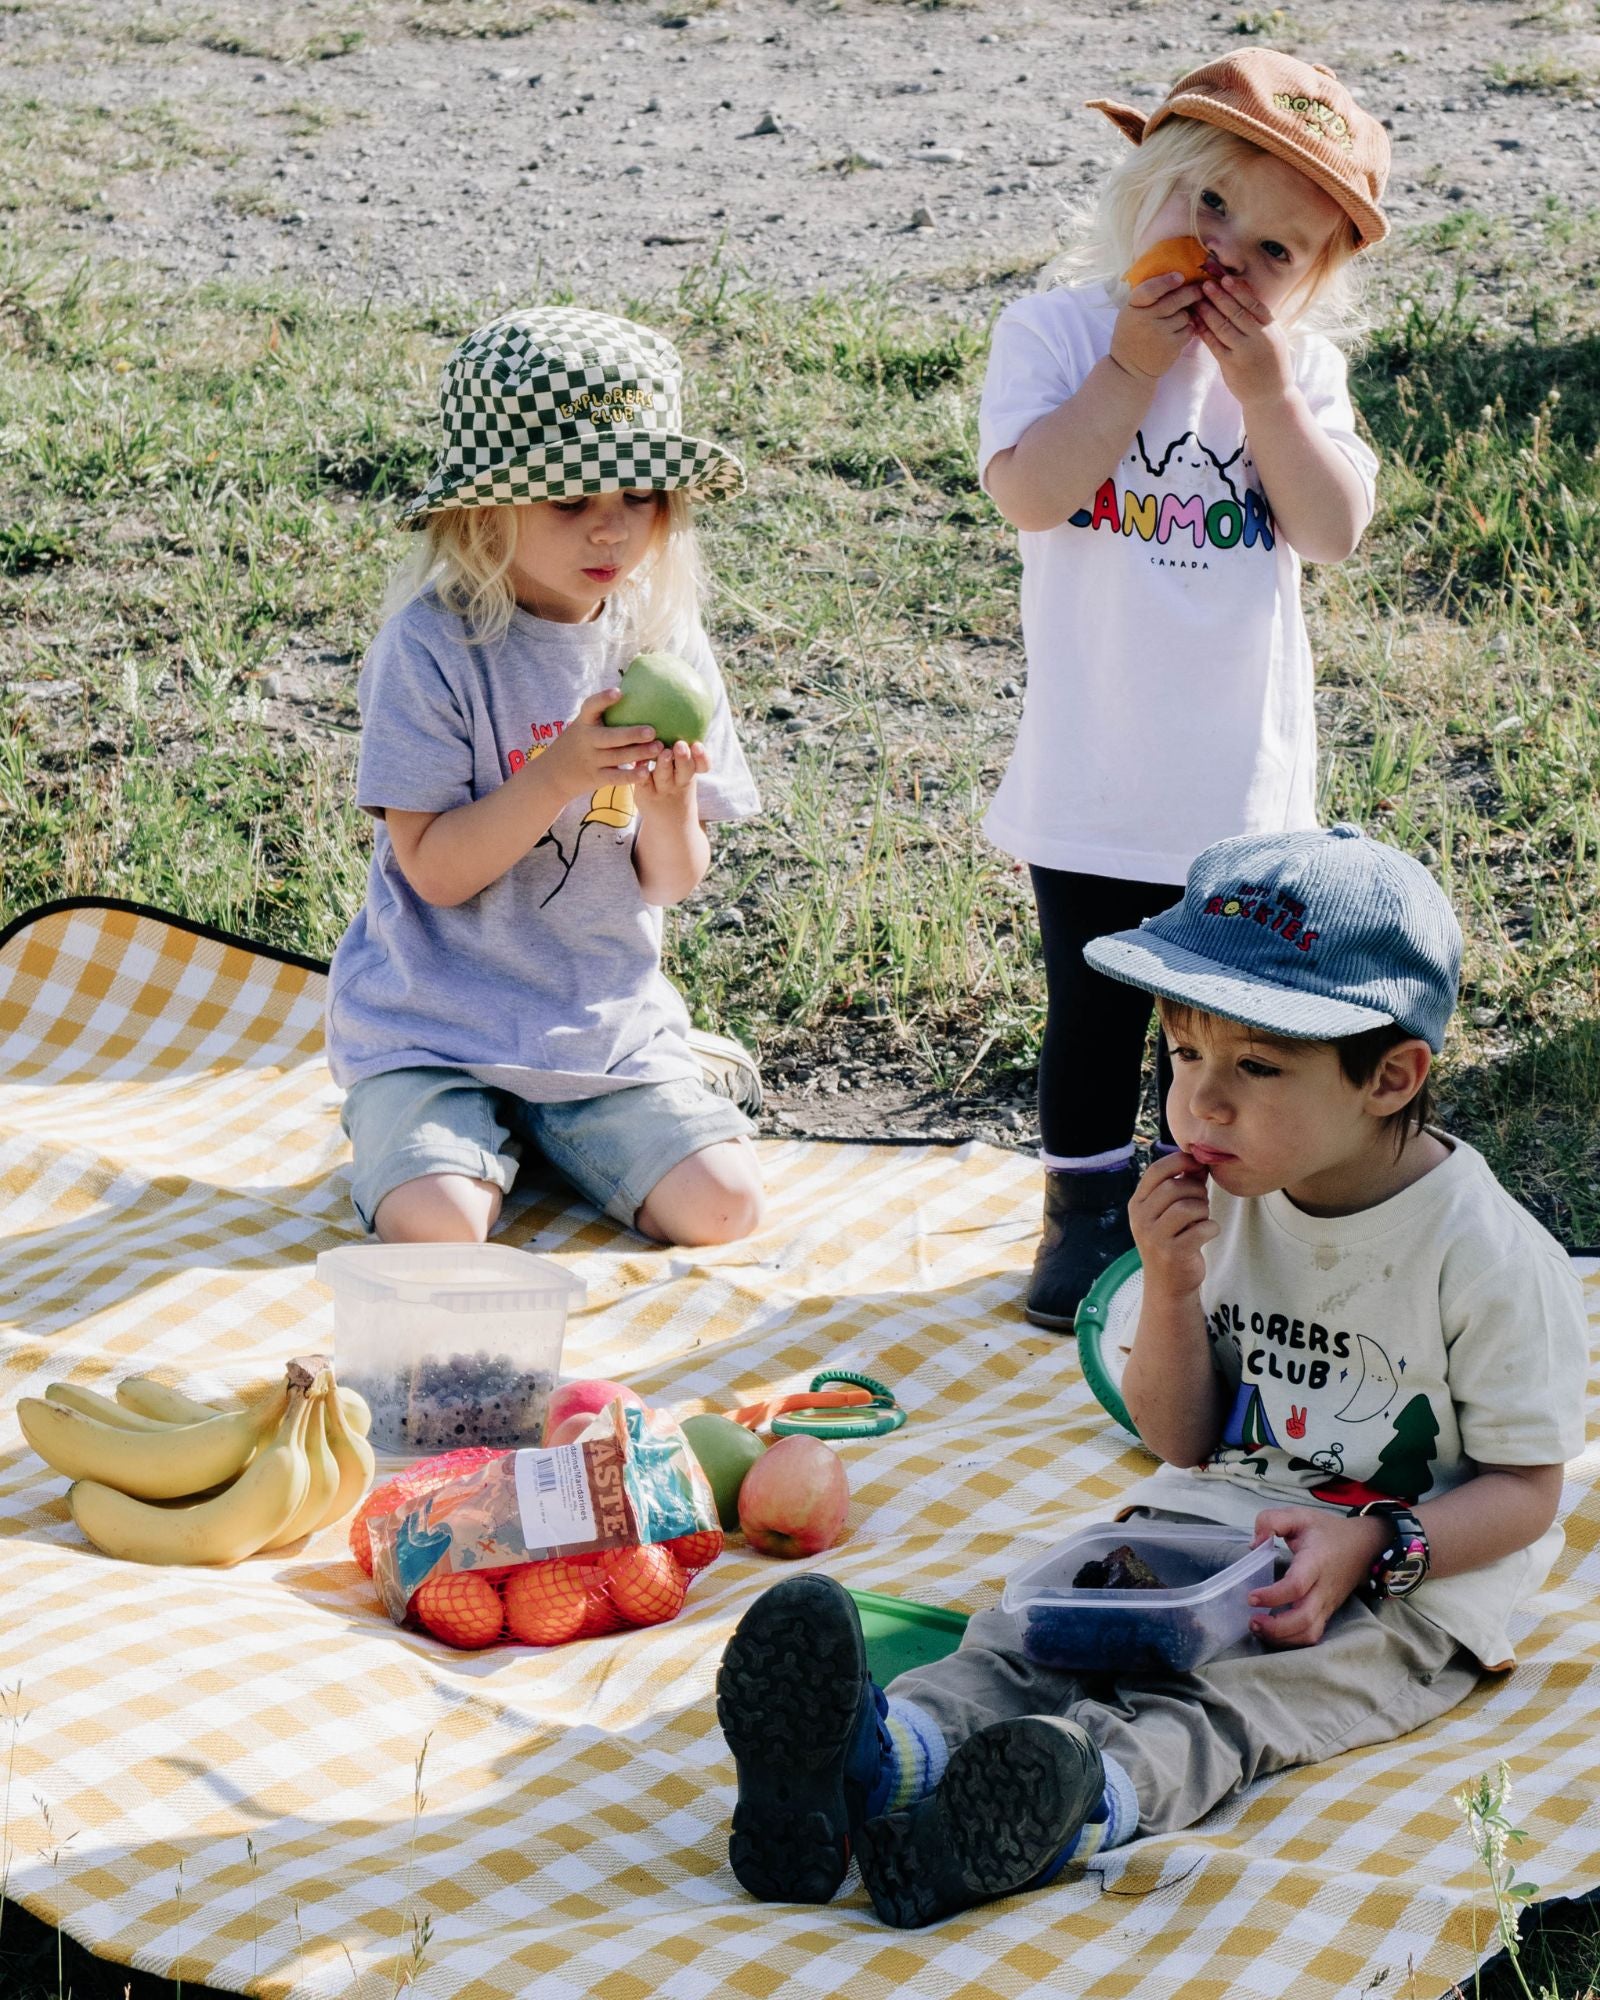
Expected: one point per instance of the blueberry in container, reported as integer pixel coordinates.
(1207, 1574)
(451, 1343)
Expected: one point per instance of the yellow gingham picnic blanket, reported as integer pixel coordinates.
(214, 1773)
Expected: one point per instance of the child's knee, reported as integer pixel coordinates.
(714, 1196)
(438, 1208)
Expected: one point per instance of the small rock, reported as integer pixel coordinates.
(1499, 645)
(1485, 1017)
(1009, 690)
(794, 725)
(629, 44)
(730, 919)
(863, 156)
(941, 156)
(922, 217)
(634, 169)
(296, 216)
(765, 127)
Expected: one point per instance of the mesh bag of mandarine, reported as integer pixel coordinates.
(537, 1547)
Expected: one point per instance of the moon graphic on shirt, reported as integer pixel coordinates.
(1374, 1392)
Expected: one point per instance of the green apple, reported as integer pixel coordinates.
(665, 692)
(726, 1452)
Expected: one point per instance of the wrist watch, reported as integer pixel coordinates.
(1403, 1561)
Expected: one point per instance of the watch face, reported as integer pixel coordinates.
(1407, 1570)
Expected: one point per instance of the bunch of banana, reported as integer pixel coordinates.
(160, 1478)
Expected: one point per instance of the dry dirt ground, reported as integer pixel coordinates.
(818, 140)
(412, 149)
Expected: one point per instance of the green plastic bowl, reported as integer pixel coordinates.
(1105, 1326)
(901, 1634)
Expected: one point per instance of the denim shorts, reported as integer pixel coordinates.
(404, 1123)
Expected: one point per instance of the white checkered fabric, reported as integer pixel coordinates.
(555, 403)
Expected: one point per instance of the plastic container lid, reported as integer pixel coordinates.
(453, 1277)
(1206, 1609)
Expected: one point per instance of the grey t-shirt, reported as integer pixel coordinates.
(548, 982)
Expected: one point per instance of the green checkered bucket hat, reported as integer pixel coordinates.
(553, 403)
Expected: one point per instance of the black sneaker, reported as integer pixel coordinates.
(801, 1716)
(1011, 1799)
(1085, 1229)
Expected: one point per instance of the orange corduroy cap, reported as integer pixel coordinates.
(1297, 110)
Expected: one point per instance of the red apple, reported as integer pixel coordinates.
(568, 1430)
(794, 1499)
(574, 1399)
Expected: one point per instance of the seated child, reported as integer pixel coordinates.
(1351, 1337)
(501, 988)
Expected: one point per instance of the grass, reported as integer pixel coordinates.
(200, 487)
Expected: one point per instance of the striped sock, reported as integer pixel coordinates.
(1113, 1821)
(917, 1754)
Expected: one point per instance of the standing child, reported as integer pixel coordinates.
(1350, 1337)
(502, 986)
(1171, 454)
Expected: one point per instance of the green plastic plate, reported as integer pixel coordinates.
(1105, 1326)
(901, 1635)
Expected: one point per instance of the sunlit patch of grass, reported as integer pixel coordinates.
(219, 465)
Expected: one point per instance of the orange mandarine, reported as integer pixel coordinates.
(546, 1602)
(463, 1610)
(647, 1586)
(696, 1551)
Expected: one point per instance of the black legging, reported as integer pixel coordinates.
(1091, 1067)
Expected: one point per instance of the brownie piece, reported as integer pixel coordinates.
(1123, 1569)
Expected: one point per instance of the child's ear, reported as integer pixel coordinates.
(1400, 1074)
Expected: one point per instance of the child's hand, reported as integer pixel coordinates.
(587, 755)
(671, 783)
(1155, 326)
(1330, 1556)
(1170, 1216)
(1251, 348)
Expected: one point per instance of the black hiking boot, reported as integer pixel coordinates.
(801, 1716)
(1085, 1229)
(1011, 1799)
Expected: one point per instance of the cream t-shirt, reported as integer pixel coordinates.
(1388, 1355)
(1169, 688)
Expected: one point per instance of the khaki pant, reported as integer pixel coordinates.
(1189, 1740)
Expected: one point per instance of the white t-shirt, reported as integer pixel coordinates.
(1169, 696)
(1387, 1355)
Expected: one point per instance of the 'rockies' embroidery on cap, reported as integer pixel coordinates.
(556, 402)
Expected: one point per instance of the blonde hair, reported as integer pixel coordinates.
(463, 554)
(1187, 154)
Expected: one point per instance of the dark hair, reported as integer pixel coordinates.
(1360, 1057)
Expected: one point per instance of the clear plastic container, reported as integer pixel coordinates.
(1210, 1573)
(451, 1343)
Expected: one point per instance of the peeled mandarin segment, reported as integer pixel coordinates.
(1186, 255)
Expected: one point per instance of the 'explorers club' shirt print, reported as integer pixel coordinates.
(1387, 1355)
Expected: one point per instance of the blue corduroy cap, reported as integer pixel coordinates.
(1315, 935)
